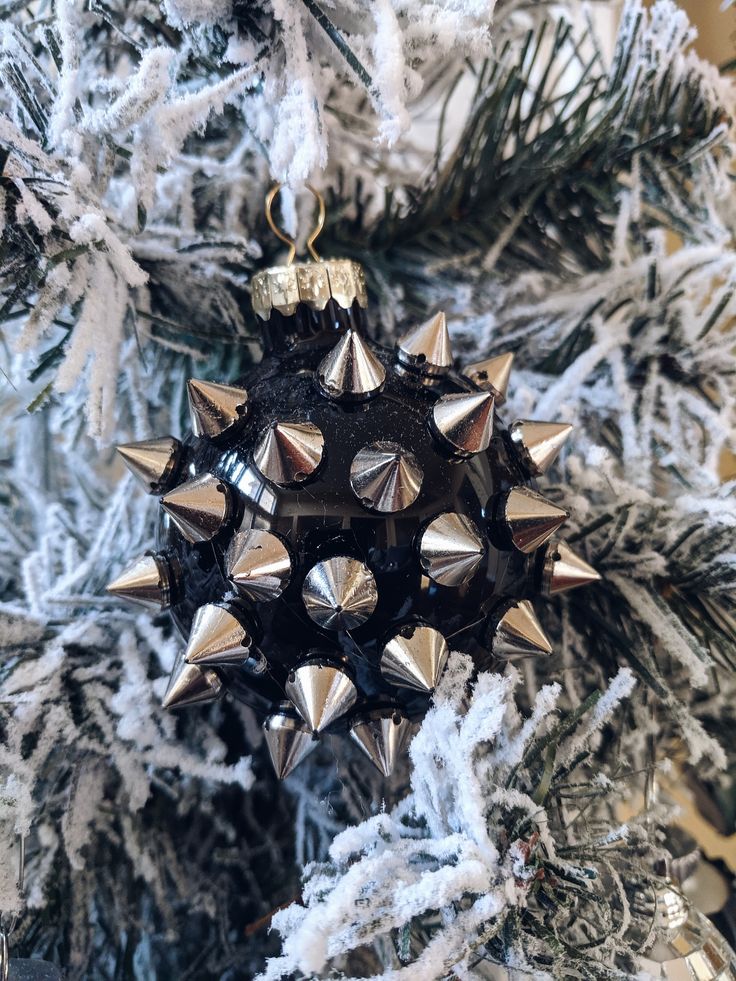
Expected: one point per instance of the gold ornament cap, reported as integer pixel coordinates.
(283, 288)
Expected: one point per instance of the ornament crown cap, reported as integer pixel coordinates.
(283, 288)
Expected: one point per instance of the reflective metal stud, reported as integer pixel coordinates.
(217, 637)
(539, 443)
(199, 508)
(463, 422)
(492, 375)
(153, 462)
(426, 349)
(564, 570)
(321, 693)
(451, 549)
(340, 593)
(350, 371)
(288, 453)
(147, 581)
(415, 657)
(289, 741)
(215, 409)
(530, 518)
(385, 477)
(259, 564)
(190, 685)
(519, 634)
(382, 735)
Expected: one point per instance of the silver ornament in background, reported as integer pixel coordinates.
(688, 946)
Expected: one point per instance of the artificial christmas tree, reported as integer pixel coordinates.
(572, 207)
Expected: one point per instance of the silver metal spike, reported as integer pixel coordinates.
(215, 409)
(351, 371)
(340, 593)
(147, 581)
(217, 637)
(289, 741)
(530, 518)
(382, 735)
(415, 658)
(153, 462)
(259, 564)
(451, 549)
(321, 693)
(492, 375)
(519, 634)
(426, 348)
(199, 508)
(190, 685)
(539, 443)
(289, 452)
(385, 477)
(564, 570)
(464, 422)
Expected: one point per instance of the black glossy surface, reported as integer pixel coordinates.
(323, 517)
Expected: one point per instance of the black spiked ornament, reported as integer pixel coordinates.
(344, 516)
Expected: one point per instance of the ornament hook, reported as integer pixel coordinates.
(287, 239)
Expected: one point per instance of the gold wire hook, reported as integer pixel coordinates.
(317, 231)
(274, 227)
(287, 239)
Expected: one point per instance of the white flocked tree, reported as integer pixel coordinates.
(559, 177)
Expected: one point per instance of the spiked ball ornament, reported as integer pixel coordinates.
(342, 517)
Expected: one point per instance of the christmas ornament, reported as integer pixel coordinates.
(342, 516)
(688, 947)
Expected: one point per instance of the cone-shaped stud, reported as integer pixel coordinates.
(530, 518)
(340, 593)
(539, 443)
(289, 452)
(147, 581)
(259, 565)
(351, 371)
(492, 375)
(415, 658)
(215, 409)
(217, 637)
(464, 422)
(382, 736)
(289, 741)
(199, 508)
(450, 549)
(153, 462)
(321, 693)
(189, 685)
(385, 477)
(519, 634)
(427, 348)
(564, 570)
